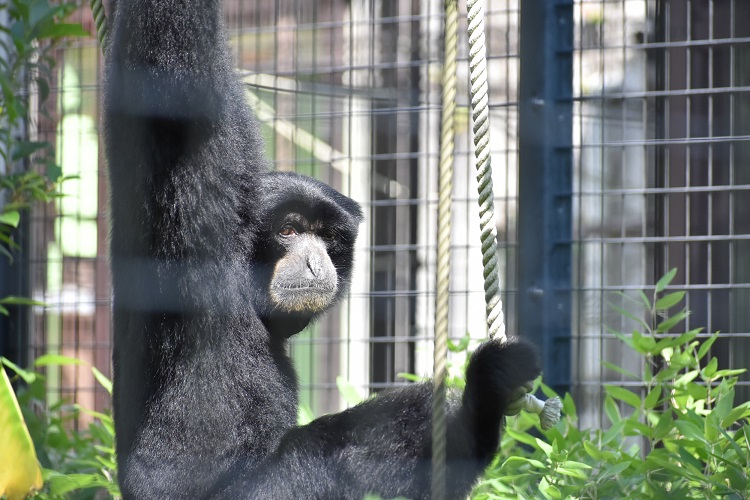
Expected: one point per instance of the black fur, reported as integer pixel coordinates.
(205, 396)
(383, 446)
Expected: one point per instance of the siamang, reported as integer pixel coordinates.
(216, 261)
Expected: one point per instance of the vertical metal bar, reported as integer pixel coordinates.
(545, 183)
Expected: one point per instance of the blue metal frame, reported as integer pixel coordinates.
(545, 184)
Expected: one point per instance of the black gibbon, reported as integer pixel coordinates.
(216, 261)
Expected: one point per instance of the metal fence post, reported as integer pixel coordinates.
(545, 184)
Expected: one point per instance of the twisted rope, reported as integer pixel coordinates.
(100, 19)
(445, 189)
(548, 411)
(481, 116)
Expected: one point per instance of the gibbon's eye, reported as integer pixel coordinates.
(328, 235)
(288, 230)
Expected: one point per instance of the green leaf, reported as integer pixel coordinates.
(708, 372)
(20, 469)
(348, 392)
(102, 379)
(689, 335)
(611, 409)
(711, 427)
(546, 390)
(41, 12)
(613, 432)
(691, 463)
(620, 370)
(613, 470)
(735, 447)
(462, 344)
(109, 425)
(663, 426)
(4, 238)
(26, 375)
(549, 491)
(53, 171)
(737, 477)
(625, 339)
(522, 437)
(652, 398)
(672, 321)
(724, 400)
(729, 373)
(60, 484)
(525, 460)
(15, 206)
(645, 300)
(20, 301)
(680, 340)
(669, 300)
(690, 430)
(629, 315)
(57, 360)
(686, 378)
(683, 357)
(101, 416)
(624, 395)
(11, 218)
(545, 447)
(23, 149)
(592, 450)
(636, 428)
(654, 461)
(736, 414)
(570, 471)
(706, 345)
(643, 344)
(108, 464)
(305, 415)
(60, 30)
(665, 280)
(411, 377)
(569, 407)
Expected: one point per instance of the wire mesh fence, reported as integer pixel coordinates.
(661, 173)
(348, 91)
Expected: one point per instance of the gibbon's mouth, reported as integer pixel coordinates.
(304, 285)
(302, 297)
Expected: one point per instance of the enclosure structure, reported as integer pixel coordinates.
(620, 133)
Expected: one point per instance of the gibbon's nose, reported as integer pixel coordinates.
(313, 260)
(314, 264)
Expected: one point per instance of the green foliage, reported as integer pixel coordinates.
(27, 42)
(679, 434)
(349, 393)
(454, 377)
(75, 463)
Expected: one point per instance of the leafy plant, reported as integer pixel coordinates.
(34, 30)
(75, 463)
(19, 467)
(681, 436)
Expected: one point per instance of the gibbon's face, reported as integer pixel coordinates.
(305, 251)
(304, 279)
